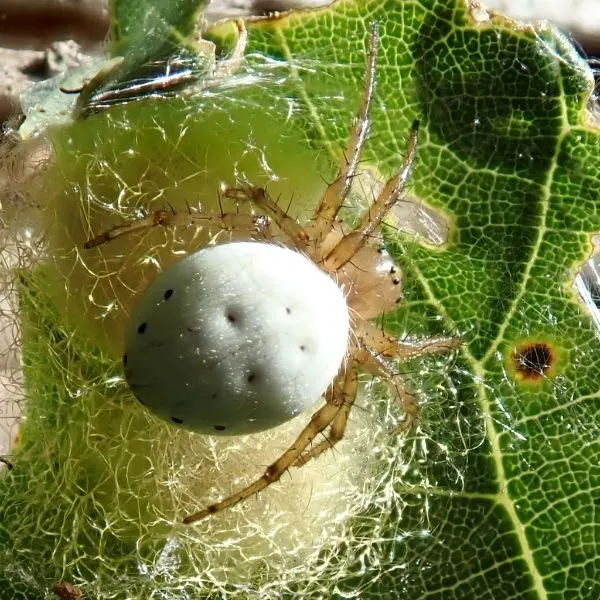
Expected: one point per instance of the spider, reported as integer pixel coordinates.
(353, 257)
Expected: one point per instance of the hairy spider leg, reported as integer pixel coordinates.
(350, 244)
(256, 226)
(376, 365)
(338, 191)
(349, 389)
(261, 199)
(387, 346)
(318, 422)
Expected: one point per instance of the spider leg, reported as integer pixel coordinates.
(318, 422)
(257, 226)
(386, 345)
(261, 199)
(347, 389)
(338, 191)
(376, 364)
(349, 245)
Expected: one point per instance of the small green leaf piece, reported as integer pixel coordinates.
(153, 27)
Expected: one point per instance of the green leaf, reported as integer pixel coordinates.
(150, 41)
(496, 494)
(509, 156)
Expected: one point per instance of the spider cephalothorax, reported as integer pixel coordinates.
(353, 257)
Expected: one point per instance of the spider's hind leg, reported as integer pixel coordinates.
(376, 365)
(347, 390)
(256, 227)
(318, 423)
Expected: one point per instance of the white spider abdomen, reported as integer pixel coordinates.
(236, 338)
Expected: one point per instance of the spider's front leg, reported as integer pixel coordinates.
(337, 192)
(375, 346)
(256, 226)
(261, 199)
(393, 191)
(325, 416)
(228, 66)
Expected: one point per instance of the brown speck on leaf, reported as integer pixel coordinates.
(532, 361)
(67, 591)
(8, 464)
